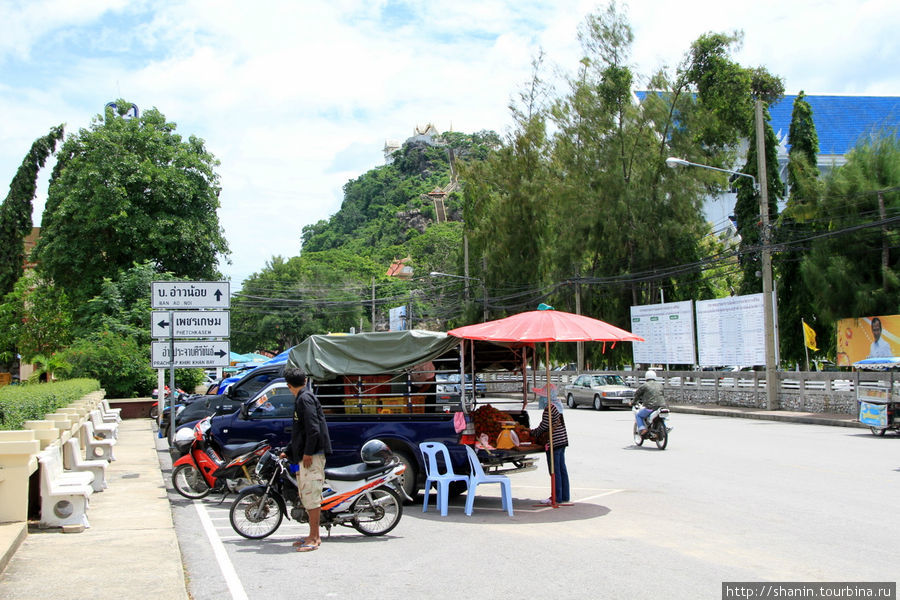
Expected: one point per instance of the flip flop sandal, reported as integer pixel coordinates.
(307, 547)
(300, 542)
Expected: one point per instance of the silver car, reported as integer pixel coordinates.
(600, 391)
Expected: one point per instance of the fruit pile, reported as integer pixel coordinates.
(489, 420)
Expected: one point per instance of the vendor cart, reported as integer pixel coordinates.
(879, 407)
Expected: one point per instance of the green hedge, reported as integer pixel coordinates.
(27, 402)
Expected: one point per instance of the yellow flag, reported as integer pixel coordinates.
(810, 335)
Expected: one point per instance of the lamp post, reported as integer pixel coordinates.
(768, 307)
(484, 297)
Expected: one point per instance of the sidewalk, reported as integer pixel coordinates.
(810, 418)
(130, 549)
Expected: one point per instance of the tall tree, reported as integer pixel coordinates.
(794, 300)
(853, 267)
(15, 212)
(35, 318)
(130, 190)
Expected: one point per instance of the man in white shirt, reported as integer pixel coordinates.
(880, 347)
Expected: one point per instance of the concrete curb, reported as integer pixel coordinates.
(833, 420)
(11, 537)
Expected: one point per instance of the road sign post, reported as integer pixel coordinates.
(191, 309)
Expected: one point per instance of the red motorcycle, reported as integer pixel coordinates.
(206, 467)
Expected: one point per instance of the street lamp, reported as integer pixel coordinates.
(673, 162)
(467, 279)
(768, 305)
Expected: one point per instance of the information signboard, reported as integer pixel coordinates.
(669, 333)
(191, 354)
(731, 331)
(190, 324)
(190, 294)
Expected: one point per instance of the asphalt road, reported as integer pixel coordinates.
(729, 500)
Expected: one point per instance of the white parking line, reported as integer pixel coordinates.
(228, 573)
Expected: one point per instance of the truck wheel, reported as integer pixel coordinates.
(409, 479)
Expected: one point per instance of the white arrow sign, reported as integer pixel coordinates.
(192, 353)
(190, 324)
(190, 294)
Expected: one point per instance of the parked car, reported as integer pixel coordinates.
(600, 391)
(448, 388)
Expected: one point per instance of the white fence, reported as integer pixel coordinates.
(833, 392)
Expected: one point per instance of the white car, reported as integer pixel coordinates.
(600, 391)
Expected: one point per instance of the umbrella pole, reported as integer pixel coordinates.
(550, 428)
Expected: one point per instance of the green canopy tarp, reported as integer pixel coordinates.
(328, 356)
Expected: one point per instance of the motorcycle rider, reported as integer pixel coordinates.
(650, 394)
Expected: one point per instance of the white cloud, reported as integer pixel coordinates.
(297, 98)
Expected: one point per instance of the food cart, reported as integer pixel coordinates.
(879, 408)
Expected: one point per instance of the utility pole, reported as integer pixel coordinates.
(579, 346)
(373, 304)
(768, 308)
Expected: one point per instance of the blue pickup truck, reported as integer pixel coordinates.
(380, 385)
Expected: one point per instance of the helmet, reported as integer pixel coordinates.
(375, 452)
(650, 375)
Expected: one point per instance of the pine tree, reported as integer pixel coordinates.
(794, 300)
(15, 212)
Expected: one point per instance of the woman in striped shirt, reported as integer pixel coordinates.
(553, 410)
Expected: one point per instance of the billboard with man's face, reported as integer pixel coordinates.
(867, 337)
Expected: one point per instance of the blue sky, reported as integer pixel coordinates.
(297, 98)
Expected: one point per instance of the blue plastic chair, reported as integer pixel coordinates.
(478, 476)
(430, 451)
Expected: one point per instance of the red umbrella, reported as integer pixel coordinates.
(546, 325)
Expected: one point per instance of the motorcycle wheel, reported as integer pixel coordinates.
(252, 518)
(878, 432)
(662, 435)
(638, 439)
(154, 412)
(189, 482)
(380, 516)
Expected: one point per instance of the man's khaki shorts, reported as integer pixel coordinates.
(310, 482)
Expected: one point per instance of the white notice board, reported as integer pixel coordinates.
(669, 331)
(731, 331)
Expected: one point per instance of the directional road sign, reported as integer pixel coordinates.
(190, 294)
(190, 323)
(191, 353)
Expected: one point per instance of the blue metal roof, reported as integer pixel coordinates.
(840, 120)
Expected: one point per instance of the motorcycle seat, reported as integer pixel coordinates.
(230, 451)
(356, 472)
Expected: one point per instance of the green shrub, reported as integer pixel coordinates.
(26, 402)
(187, 379)
(121, 366)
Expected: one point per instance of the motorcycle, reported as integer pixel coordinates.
(365, 496)
(205, 467)
(657, 424)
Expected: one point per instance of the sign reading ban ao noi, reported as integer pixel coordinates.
(190, 294)
(191, 354)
